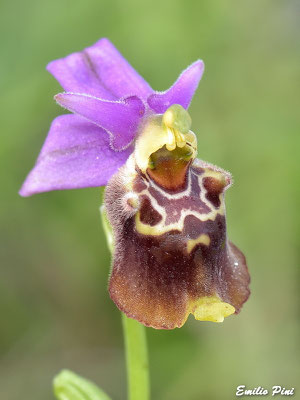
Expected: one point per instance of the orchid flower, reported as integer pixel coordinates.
(171, 254)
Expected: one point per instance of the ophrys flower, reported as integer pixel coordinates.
(166, 208)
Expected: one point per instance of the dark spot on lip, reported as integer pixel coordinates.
(148, 215)
(213, 199)
(214, 188)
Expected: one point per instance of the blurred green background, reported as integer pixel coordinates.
(54, 305)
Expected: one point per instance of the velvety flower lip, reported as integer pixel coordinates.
(110, 101)
(172, 256)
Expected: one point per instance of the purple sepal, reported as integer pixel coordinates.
(111, 100)
(119, 118)
(181, 92)
(76, 154)
(101, 71)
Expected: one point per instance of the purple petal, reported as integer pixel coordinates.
(101, 71)
(119, 118)
(181, 92)
(76, 154)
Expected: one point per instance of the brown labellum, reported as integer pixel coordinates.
(171, 252)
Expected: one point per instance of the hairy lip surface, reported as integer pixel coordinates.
(171, 251)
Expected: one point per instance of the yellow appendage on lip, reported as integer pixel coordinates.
(212, 309)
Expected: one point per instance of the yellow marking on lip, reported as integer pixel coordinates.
(212, 309)
(202, 239)
(145, 229)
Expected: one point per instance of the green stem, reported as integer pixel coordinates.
(136, 359)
